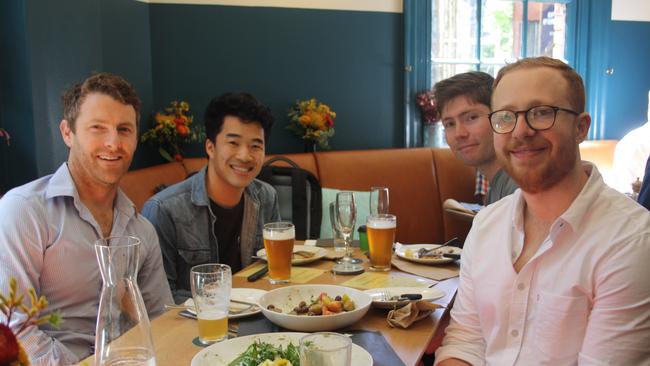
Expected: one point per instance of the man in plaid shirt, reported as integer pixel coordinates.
(463, 103)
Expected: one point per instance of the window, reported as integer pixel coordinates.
(485, 34)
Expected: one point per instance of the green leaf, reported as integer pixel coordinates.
(165, 154)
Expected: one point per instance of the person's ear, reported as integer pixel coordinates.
(66, 132)
(582, 126)
(209, 148)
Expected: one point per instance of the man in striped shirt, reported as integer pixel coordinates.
(48, 226)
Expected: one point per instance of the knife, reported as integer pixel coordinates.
(452, 256)
(259, 274)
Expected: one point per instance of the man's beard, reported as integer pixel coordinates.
(542, 176)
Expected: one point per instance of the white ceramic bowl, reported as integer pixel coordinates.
(286, 298)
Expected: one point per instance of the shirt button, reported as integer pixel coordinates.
(521, 286)
(514, 333)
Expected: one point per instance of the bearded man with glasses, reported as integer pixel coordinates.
(555, 273)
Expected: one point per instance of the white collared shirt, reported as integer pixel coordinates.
(584, 297)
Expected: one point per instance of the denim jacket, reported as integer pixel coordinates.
(184, 222)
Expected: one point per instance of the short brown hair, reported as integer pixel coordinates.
(576, 90)
(103, 83)
(475, 85)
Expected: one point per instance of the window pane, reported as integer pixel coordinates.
(501, 31)
(546, 29)
(454, 30)
(441, 71)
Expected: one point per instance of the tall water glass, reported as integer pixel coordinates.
(379, 200)
(123, 332)
(211, 284)
(278, 242)
(381, 236)
(325, 349)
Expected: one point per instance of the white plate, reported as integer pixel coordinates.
(428, 294)
(410, 253)
(243, 294)
(220, 354)
(318, 254)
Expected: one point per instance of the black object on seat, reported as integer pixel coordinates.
(299, 194)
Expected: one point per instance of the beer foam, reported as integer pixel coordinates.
(381, 223)
(279, 235)
(212, 314)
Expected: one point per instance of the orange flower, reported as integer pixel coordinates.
(182, 129)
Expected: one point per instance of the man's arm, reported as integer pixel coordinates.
(151, 277)
(618, 332)
(463, 343)
(23, 239)
(166, 231)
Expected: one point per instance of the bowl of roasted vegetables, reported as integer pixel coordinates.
(314, 308)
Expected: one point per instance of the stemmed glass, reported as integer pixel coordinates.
(346, 213)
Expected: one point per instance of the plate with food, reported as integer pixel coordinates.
(426, 253)
(240, 300)
(314, 308)
(302, 254)
(257, 349)
(395, 297)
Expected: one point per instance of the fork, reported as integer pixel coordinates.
(452, 242)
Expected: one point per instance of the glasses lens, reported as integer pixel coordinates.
(503, 121)
(541, 118)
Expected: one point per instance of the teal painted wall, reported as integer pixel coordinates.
(50, 45)
(350, 60)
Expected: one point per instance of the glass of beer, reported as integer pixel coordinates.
(211, 284)
(381, 235)
(278, 242)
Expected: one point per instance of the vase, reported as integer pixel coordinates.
(310, 146)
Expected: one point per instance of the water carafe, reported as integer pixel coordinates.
(123, 333)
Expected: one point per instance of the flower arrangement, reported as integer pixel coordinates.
(4, 134)
(173, 127)
(312, 121)
(427, 103)
(11, 351)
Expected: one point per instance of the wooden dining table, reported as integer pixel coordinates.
(173, 334)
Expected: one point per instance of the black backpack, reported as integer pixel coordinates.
(299, 194)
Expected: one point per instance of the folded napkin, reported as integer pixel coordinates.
(410, 313)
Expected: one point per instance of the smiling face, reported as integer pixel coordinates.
(235, 158)
(102, 143)
(468, 131)
(538, 160)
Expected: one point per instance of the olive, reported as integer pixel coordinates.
(317, 309)
(302, 304)
(337, 298)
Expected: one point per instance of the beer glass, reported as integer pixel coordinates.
(278, 242)
(378, 200)
(381, 235)
(211, 284)
(325, 349)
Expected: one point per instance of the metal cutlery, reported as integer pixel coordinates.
(423, 252)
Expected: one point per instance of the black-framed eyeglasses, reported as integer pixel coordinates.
(538, 118)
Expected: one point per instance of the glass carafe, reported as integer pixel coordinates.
(123, 333)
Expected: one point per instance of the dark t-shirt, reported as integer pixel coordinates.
(227, 227)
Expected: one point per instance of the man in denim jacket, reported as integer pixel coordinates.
(217, 215)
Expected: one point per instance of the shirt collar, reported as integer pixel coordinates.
(574, 214)
(62, 184)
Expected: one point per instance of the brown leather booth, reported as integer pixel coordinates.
(419, 179)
